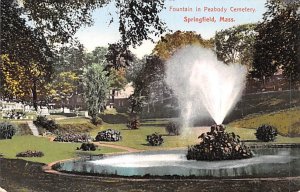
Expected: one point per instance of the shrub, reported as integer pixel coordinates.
(133, 123)
(88, 147)
(155, 139)
(108, 135)
(266, 133)
(30, 153)
(96, 120)
(173, 128)
(72, 137)
(7, 130)
(44, 122)
(217, 144)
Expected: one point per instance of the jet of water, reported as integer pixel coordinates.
(203, 84)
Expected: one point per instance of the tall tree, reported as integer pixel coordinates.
(236, 44)
(55, 22)
(170, 43)
(149, 84)
(278, 42)
(96, 89)
(63, 87)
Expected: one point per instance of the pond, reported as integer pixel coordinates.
(267, 162)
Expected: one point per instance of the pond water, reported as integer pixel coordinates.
(270, 162)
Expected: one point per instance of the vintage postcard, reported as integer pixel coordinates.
(149, 95)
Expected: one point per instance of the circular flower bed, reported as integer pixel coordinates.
(30, 153)
(218, 145)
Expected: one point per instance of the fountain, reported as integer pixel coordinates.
(205, 87)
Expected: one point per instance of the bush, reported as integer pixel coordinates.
(7, 130)
(44, 122)
(96, 120)
(217, 144)
(72, 137)
(108, 135)
(155, 139)
(173, 128)
(133, 123)
(88, 147)
(266, 133)
(30, 153)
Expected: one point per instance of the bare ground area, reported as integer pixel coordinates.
(19, 175)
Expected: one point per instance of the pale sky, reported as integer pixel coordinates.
(101, 33)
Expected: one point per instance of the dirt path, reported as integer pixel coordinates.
(129, 149)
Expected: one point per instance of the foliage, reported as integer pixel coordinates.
(133, 123)
(96, 89)
(98, 55)
(149, 84)
(218, 145)
(173, 128)
(138, 19)
(30, 153)
(22, 82)
(72, 137)
(118, 56)
(235, 45)
(25, 55)
(278, 42)
(108, 135)
(44, 122)
(155, 139)
(88, 147)
(63, 87)
(7, 130)
(96, 120)
(266, 133)
(172, 42)
(71, 57)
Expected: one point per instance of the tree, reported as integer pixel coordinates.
(63, 87)
(118, 56)
(70, 58)
(170, 43)
(25, 55)
(118, 81)
(55, 22)
(235, 45)
(149, 84)
(96, 89)
(278, 42)
(21, 82)
(98, 55)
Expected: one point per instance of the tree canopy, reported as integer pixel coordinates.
(278, 41)
(236, 44)
(171, 42)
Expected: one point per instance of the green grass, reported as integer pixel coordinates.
(287, 122)
(53, 150)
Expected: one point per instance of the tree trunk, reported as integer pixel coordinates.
(113, 97)
(34, 96)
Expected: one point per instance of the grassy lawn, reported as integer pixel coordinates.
(137, 138)
(287, 121)
(53, 150)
